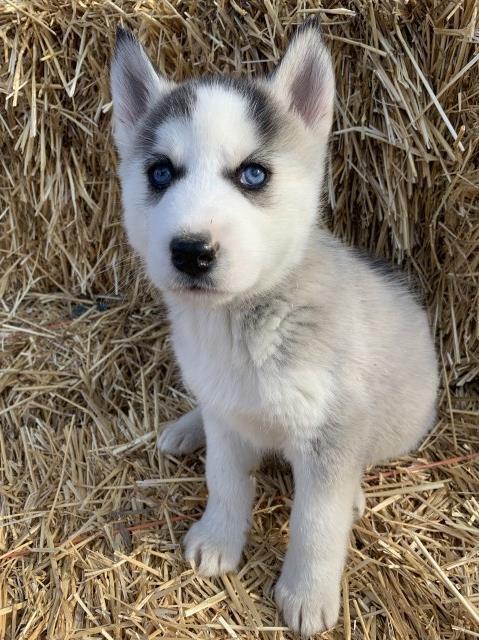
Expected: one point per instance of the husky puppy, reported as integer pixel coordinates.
(289, 340)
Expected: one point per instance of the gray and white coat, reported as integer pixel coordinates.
(290, 342)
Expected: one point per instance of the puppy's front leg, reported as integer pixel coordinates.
(308, 590)
(215, 543)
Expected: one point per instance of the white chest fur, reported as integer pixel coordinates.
(251, 368)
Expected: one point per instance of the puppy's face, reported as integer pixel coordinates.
(221, 178)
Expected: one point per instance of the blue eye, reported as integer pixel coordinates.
(253, 176)
(160, 174)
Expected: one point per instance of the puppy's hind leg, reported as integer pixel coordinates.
(359, 504)
(183, 436)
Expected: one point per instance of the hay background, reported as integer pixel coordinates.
(91, 516)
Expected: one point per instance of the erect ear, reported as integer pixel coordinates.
(305, 77)
(135, 85)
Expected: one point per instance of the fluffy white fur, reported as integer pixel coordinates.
(301, 346)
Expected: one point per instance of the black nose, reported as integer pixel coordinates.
(194, 255)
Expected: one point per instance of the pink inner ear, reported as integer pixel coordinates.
(307, 91)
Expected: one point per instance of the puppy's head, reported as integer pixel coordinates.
(221, 177)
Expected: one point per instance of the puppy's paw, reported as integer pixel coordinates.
(183, 436)
(214, 550)
(308, 607)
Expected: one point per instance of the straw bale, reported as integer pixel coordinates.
(91, 517)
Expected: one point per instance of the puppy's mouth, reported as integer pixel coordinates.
(198, 288)
(204, 287)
